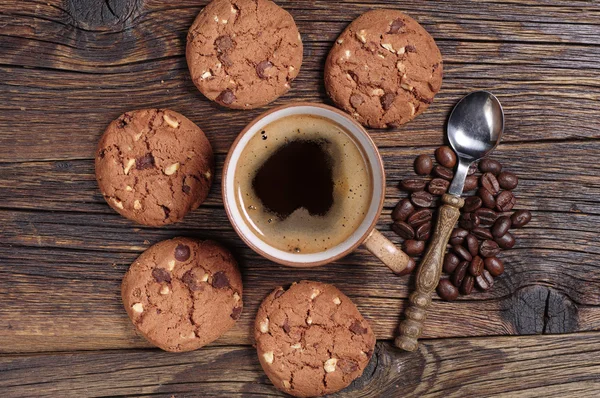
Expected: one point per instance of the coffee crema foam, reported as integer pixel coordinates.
(301, 231)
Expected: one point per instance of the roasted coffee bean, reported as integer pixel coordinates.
(443, 172)
(445, 156)
(485, 281)
(421, 199)
(501, 226)
(423, 232)
(487, 198)
(459, 273)
(414, 247)
(482, 233)
(413, 184)
(469, 221)
(462, 252)
(458, 236)
(472, 244)
(467, 285)
(476, 266)
(471, 183)
(403, 210)
(490, 166)
(410, 266)
(472, 169)
(403, 230)
(494, 265)
(505, 201)
(472, 203)
(490, 182)
(506, 241)
(446, 290)
(420, 217)
(508, 180)
(489, 248)
(451, 261)
(520, 218)
(423, 165)
(438, 187)
(487, 217)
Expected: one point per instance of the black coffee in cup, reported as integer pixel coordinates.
(303, 184)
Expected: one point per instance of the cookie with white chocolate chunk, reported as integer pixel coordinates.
(182, 294)
(311, 340)
(154, 166)
(243, 54)
(384, 69)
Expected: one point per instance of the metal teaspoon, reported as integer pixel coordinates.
(474, 129)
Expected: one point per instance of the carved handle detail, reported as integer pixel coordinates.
(428, 275)
(387, 252)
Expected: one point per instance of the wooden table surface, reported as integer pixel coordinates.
(67, 68)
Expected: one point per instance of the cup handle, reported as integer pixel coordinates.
(389, 254)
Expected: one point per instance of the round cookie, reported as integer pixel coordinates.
(311, 340)
(182, 294)
(243, 54)
(154, 166)
(384, 69)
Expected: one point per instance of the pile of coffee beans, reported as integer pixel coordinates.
(483, 228)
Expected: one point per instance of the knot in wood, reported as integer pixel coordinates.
(102, 14)
(541, 310)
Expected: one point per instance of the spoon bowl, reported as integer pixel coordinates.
(475, 128)
(476, 125)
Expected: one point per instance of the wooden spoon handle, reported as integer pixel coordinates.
(428, 275)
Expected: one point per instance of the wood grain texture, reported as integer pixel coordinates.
(69, 67)
(483, 367)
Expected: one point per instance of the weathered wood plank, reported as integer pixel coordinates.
(80, 69)
(552, 366)
(77, 260)
(70, 185)
(79, 252)
(32, 130)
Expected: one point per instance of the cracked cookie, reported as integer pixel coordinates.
(154, 166)
(311, 340)
(243, 54)
(384, 69)
(182, 294)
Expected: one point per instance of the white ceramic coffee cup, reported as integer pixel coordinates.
(365, 234)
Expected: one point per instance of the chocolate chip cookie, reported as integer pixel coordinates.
(182, 294)
(243, 54)
(384, 69)
(311, 339)
(154, 166)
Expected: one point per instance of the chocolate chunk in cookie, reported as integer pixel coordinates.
(243, 54)
(175, 304)
(384, 69)
(154, 166)
(311, 340)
